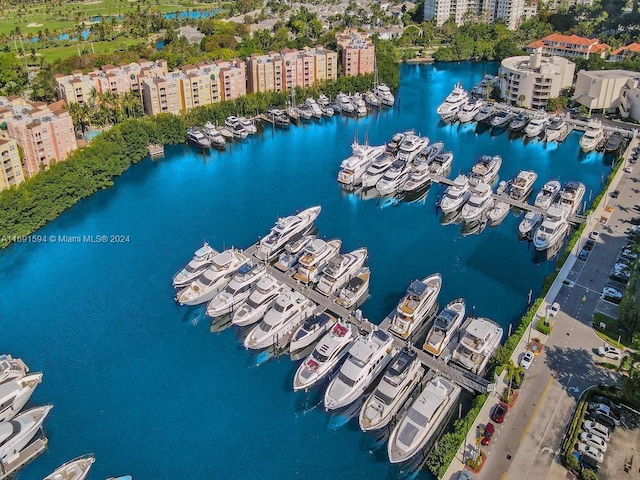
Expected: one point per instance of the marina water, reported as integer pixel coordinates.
(142, 384)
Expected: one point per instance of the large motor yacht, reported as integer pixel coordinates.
(502, 119)
(11, 368)
(15, 394)
(444, 327)
(238, 289)
(331, 348)
(213, 279)
(614, 142)
(217, 140)
(315, 257)
(16, 434)
(485, 170)
(528, 224)
(592, 136)
(537, 125)
(290, 309)
(259, 301)
(197, 138)
(416, 304)
(284, 230)
(76, 469)
(400, 379)
(454, 101)
(354, 291)
(410, 146)
(523, 185)
(393, 178)
(339, 270)
(316, 111)
(556, 129)
(486, 113)
(418, 179)
(311, 330)
(552, 230)
(202, 258)
(292, 252)
(548, 194)
(441, 164)
(519, 122)
(362, 156)
(571, 196)
(345, 104)
(478, 343)
(469, 110)
(422, 420)
(478, 204)
(456, 195)
(368, 357)
(384, 94)
(375, 171)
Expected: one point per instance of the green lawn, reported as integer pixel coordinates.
(57, 53)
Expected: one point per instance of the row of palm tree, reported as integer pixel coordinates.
(105, 109)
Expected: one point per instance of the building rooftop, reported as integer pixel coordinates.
(606, 74)
(631, 48)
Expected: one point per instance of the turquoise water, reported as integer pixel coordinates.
(140, 382)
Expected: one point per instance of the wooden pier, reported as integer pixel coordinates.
(465, 379)
(30, 452)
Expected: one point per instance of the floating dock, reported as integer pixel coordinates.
(30, 452)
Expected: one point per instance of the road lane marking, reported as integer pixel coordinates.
(535, 412)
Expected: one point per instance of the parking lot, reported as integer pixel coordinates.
(623, 449)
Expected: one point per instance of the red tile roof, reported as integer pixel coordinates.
(572, 39)
(537, 44)
(631, 48)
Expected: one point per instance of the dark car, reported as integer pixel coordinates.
(499, 412)
(588, 462)
(487, 434)
(588, 246)
(615, 194)
(635, 221)
(605, 420)
(606, 401)
(583, 254)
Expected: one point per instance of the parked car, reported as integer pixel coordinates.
(588, 462)
(611, 293)
(615, 194)
(594, 235)
(635, 221)
(603, 409)
(593, 440)
(465, 475)
(607, 401)
(588, 245)
(527, 360)
(553, 309)
(590, 451)
(630, 254)
(619, 278)
(597, 428)
(583, 254)
(499, 412)
(628, 169)
(609, 352)
(488, 432)
(604, 420)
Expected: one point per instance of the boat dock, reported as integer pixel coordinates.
(465, 379)
(30, 452)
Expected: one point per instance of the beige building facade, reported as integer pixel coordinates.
(11, 173)
(358, 54)
(602, 89)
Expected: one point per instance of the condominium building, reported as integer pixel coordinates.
(511, 11)
(529, 81)
(290, 68)
(569, 46)
(44, 132)
(11, 172)
(602, 89)
(80, 87)
(630, 99)
(443, 10)
(624, 52)
(358, 53)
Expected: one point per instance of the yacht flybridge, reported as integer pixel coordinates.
(414, 307)
(284, 230)
(202, 258)
(444, 327)
(479, 341)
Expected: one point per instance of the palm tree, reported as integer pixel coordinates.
(512, 372)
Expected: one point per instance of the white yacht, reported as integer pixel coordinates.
(556, 128)
(418, 179)
(202, 258)
(553, 228)
(469, 110)
(522, 185)
(529, 223)
(393, 178)
(76, 469)
(11, 368)
(423, 418)
(316, 111)
(384, 94)
(456, 195)
(211, 282)
(362, 156)
(427, 155)
(344, 101)
(339, 270)
(486, 113)
(502, 119)
(372, 100)
(315, 257)
(498, 212)
(592, 136)
(441, 163)
(519, 122)
(410, 146)
(292, 252)
(290, 309)
(454, 101)
(479, 342)
(479, 202)
(331, 348)
(444, 327)
(485, 170)
(402, 376)
(259, 301)
(311, 330)
(375, 171)
(537, 125)
(353, 291)
(359, 105)
(197, 138)
(236, 126)
(304, 111)
(414, 307)
(548, 194)
(16, 434)
(14, 394)
(284, 231)
(238, 289)
(571, 197)
(367, 358)
(248, 125)
(217, 140)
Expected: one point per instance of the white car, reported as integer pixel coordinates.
(465, 475)
(553, 309)
(609, 352)
(610, 292)
(590, 451)
(628, 169)
(597, 428)
(594, 235)
(630, 254)
(593, 440)
(527, 360)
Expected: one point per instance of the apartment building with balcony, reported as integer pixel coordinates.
(44, 132)
(163, 94)
(530, 81)
(630, 99)
(442, 10)
(511, 11)
(603, 90)
(358, 53)
(569, 46)
(625, 52)
(11, 172)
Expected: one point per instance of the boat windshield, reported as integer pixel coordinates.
(265, 327)
(418, 418)
(191, 268)
(346, 380)
(252, 303)
(386, 399)
(477, 203)
(279, 307)
(319, 357)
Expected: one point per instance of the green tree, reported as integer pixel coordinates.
(13, 77)
(512, 373)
